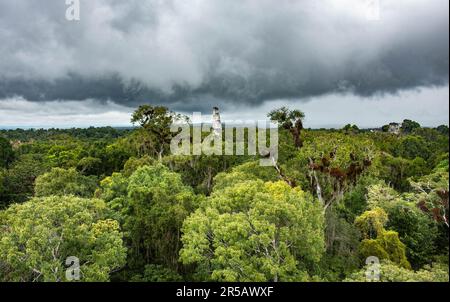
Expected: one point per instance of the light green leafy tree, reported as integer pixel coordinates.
(247, 171)
(65, 182)
(417, 231)
(39, 235)
(155, 122)
(330, 165)
(113, 190)
(291, 120)
(90, 165)
(392, 272)
(65, 152)
(378, 241)
(133, 163)
(19, 179)
(159, 202)
(2, 187)
(255, 231)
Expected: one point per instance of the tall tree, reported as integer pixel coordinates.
(65, 182)
(6, 153)
(19, 179)
(333, 164)
(378, 241)
(254, 231)
(38, 237)
(159, 202)
(291, 120)
(156, 121)
(408, 126)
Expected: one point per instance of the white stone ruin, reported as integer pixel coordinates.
(216, 123)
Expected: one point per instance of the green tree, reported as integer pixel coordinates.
(342, 242)
(6, 153)
(133, 163)
(377, 240)
(199, 171)
(413, 146)
(433, 194)
(2, 187)
(39, 235)
(330, 165)
(392, 272)
(90, 165)
(371, 223)
(432, 198)
(156, 122)
(64, 152)
(443, 129)
(254, 231)
(398, 170)
(120, 151)
(349, 128)
(408, 126)
(385, 128)
(157, 273)
(291, 120)
(18, 184)
(417, 231)
(114, 190)
(247, 171)
(159, 203)
(65, 182)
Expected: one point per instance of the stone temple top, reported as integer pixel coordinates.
(216, 123)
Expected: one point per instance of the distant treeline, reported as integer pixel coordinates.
(25, 135)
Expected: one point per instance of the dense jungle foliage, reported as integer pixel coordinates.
(129, 210)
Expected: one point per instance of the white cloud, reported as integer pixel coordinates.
(18, 112)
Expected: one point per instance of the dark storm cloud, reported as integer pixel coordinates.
(191, 54)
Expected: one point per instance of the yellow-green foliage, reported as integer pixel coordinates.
(387, 245)
(158, 203)
(255, 231)
(371, 223)
(415, 229)
(65, 182)
(133, 163)
(39, 235)
(378, 241)
(391, 272)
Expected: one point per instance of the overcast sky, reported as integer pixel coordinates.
(340, 61)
